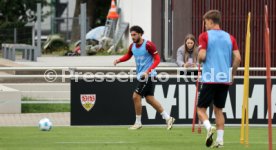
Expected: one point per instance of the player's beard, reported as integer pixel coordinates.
(137, 40)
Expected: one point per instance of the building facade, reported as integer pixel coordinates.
(167, 22)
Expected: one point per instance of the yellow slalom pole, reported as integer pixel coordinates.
(246, 87)
(242, 125)
(247, 57)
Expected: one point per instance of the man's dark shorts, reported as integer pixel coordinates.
(145, 87)
(213, 93)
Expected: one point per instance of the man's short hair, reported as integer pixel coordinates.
(137, 29)
(213, 15)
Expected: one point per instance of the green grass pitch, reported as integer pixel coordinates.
(120, 138)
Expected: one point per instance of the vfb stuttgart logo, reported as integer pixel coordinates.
(88, 101)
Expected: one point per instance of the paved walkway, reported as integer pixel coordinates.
(32, 119)
(9, 63)
(83, 61)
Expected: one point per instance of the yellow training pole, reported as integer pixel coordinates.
(247, 55)
(246, 87)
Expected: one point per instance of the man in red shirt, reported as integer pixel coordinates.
(218, 53)
(146, 58)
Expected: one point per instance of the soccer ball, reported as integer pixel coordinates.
(45, 124)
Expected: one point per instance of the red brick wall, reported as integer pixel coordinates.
(234, 21)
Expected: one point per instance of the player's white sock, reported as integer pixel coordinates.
(220, 134)
(138, 119)
(165, 115)
(207, 124)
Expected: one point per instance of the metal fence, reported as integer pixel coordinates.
(69, 72)
(64, 27)
(234, 19)
(16, 35)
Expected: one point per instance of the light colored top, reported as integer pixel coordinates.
(143, 60)
(180, 56)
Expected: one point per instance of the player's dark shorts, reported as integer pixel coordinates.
(213, 94)
(146, 87)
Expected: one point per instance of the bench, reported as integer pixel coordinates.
(29, 51)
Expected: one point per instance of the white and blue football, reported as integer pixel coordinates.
(45, 124)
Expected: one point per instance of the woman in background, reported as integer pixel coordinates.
(187, 53)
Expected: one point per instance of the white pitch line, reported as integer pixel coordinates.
(264, 143)
(96, 142)
(123, 142)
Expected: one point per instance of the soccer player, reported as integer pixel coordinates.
(218, 52)
(146, 58)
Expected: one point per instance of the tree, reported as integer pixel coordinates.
(16, 13)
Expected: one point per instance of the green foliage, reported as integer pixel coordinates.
(101, 11)
(16, 13)
(45, 108)
(11, 24)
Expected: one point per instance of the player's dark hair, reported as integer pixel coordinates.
(137, 29)
(213, 15)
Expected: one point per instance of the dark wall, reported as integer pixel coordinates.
(157, 31)
(182, 23)
(234, 21)
(187, 18)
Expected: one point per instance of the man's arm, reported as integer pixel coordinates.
(156, 61)
(154, 53)
(236, 62)
(203, 40)
(201, 56)
(236, 59)
(126, 57)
